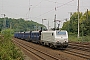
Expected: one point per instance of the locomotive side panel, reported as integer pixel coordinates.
(47, 37)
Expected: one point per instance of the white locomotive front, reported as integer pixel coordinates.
(55, 39)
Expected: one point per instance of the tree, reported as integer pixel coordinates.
(19, 24)
(73, 23)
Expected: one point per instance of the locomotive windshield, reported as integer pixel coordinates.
(60, 33)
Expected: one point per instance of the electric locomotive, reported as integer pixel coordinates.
(54, 39)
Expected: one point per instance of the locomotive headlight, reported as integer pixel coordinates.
(56, 40)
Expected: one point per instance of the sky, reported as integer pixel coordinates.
(37, 10)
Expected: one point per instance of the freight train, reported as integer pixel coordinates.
(53, 39)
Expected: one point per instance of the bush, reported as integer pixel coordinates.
(86, 38)
(8, 51)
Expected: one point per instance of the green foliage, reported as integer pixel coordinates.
(8, 51)
(20, 24)
(72, 25)
(66, 26)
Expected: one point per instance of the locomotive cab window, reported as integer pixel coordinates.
(52, 34)
(60, 33)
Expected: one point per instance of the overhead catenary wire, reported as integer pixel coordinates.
(13, 13)
(65, 3)
(40, 14)
(53, 1)
(33, 7)
(53, 9)
(56, 7)
(37, 4)
(83, 7)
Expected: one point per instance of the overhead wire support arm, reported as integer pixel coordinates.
(58, 23)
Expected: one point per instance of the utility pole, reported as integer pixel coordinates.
(10, 26)
(48, 25)
(78, 18)
(55, 18)
(4, 22)
(36, 27)
(68, 24)
(71, 13)
(29, 8)
(55, 22)
(42, 20)
(87, 14)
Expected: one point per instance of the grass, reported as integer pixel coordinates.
(73, 37)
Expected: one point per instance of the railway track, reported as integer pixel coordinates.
(79, 49)
(41, 55)
(83, 44)
(78, 53)
(80, 46)
(56, 55)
